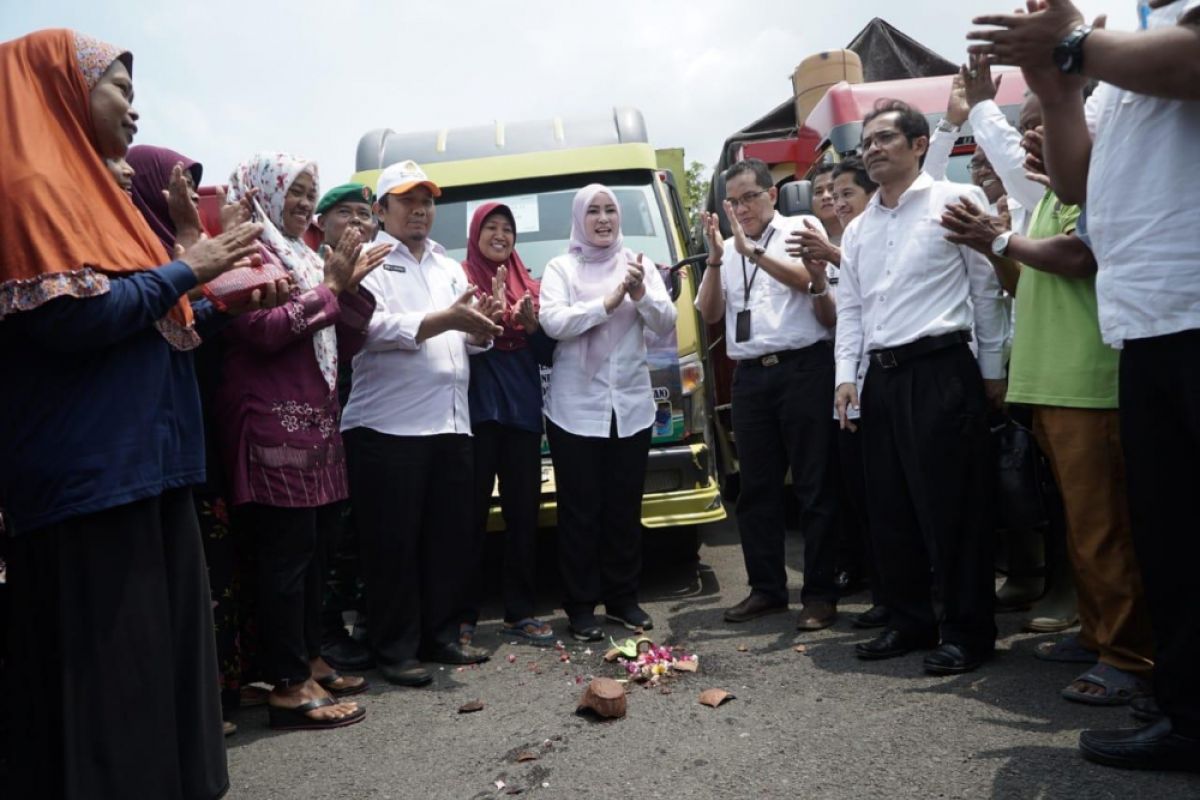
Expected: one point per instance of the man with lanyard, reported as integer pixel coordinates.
(1131, 141)
(344, 207)
(779, 317)
(910, 299)
(407, 434)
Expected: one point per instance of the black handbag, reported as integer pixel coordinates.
(1024, 481)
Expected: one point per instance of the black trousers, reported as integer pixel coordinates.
(112, 677)
(599, 485)
(930, 480)
(412, 506)
(781, 419)
(513, 456)
(1160, 434)
(855, 552)
(289, 544)
(342, 592)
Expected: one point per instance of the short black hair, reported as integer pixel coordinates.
(822, 169)
(912, 123)
(853, 165)
(755, 166)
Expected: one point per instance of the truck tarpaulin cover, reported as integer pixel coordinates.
(887, 54)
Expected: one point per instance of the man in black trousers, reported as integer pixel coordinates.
(911, 301)
(779, 316)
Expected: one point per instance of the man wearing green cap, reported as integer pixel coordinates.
(343, 207)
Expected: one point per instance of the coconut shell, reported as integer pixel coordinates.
(605, 697)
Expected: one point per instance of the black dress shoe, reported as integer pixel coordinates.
(817, 615)
(407, 673)
(346, 654)
(892, 643)
(755, 605)
(1156, 746)
(632, 617)
(586, 628)
(458, 654)
(1145, 708)
(951, 658)
(873, 617)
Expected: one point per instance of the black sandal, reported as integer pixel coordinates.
(329, 684)
(297, 719)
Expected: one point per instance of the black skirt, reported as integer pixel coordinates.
(112, 685)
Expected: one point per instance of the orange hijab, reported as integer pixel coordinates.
(64, 222)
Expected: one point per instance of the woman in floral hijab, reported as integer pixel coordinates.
(277, 415)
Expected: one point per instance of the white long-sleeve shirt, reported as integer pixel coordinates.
(401, 386)
(584, 405)
(902, 281)
(1001, 143)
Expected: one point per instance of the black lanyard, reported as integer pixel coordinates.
(748, 284)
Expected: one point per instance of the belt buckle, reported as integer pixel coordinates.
(886, 359)
(770, 361)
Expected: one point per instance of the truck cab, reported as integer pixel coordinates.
(536, 168)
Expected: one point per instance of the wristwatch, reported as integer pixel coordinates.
(821, 293)
(1068, 54)
(946, 126)
(1000, 243)
(758, 253)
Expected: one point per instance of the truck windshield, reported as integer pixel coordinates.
(543, 213)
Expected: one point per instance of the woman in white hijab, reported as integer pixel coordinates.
(597, 302)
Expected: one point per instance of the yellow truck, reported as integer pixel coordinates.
(536, 168)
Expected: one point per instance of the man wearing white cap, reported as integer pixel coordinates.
(407, 434)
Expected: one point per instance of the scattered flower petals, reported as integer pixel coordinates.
(512, 659)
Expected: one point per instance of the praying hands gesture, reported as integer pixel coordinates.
(348, 264)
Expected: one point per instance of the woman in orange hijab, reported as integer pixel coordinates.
(112, 683)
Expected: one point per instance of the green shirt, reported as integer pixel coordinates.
(1058, 358)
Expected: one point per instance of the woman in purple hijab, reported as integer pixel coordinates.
(152, 168)
(597, 301)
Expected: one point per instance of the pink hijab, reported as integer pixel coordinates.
(599, 269)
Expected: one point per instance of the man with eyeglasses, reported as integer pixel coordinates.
(779, 316)
(910, 300)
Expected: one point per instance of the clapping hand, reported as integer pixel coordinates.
(210, 257)
(716, 243)
(525, 315)
(635, 279)
(495, 305)
(740, 242)
(812, 245)
(237, 212)
(182, 208)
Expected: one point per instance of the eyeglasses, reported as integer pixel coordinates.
(747, 198)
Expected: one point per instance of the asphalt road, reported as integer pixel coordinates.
(818, 724)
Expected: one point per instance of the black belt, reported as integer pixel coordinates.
(772, 359)
(895, 356)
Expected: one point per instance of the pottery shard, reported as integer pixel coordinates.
(468, 708)
(605, 697)
(714, 697)
(686, 666)
(612, 655)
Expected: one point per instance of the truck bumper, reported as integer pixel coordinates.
(680, 490)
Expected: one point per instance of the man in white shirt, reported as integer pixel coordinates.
(910, 300)
(1136, 139)
(407, 433)
(779, 317)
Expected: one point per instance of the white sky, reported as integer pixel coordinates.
(218, 79)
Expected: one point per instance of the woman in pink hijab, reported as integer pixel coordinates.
(597, 301)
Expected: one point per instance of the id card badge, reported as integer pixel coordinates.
(742, 326)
